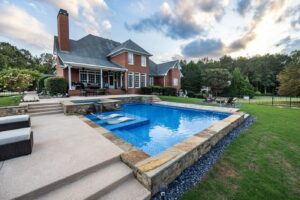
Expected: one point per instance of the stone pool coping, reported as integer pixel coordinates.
(167, 165)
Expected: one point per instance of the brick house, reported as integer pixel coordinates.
(97, 62)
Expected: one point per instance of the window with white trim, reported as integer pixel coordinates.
(137, 80)
(130, 80)
(89, 76)
(151, 82)
(175, 82)
(143, 80)
(130, 58)
(143, 61)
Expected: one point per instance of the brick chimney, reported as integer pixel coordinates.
(63, 30)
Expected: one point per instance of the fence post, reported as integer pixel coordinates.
(290, 101)
(272, 100)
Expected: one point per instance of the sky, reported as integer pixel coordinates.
(168, 29)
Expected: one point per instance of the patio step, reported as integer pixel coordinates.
(37, 106)
(155, 99)
(94, 185)
(38, 110)
(47, 113)
(131, 189)
(44, 109)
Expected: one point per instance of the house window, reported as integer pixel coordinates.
(91, 77)
(130, 58)
(144, 61)
(143, 80)
(151, 81)
(175, 82)
(130, 80)
(83, 77)
(137, 80)
(87, 76)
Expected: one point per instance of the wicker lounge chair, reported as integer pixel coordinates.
(14, 122)
(14, 143)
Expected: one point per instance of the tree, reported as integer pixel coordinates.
(47, 63)
(289, 78)
(191, 80)
(17, 79)
(240, 85)
(216, 79)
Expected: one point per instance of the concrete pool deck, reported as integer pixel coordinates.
(70, 160)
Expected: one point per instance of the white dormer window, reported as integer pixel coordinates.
(130, 58)
(144, 61)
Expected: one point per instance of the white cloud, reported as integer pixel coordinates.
(17, 24)
(86, 13)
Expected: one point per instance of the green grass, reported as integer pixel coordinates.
(10, 101)
(262, 163)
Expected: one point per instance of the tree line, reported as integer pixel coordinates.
(270, 74)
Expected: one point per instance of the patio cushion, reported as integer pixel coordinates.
(13, 119)
(13, 136)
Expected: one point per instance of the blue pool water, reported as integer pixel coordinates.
(165, 126)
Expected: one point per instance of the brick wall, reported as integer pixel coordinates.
(63, 31)
(122, 59)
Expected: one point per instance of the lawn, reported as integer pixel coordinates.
(262, 163)
(10, 101)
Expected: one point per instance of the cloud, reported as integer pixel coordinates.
(292, 13)
(203, 48)
(243, 6)
(262, 9)
(183, 20)
(17, 24)
(289, 44)
(85, 13)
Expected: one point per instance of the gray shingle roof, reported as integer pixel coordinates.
(129, 45)
(91, 50)
(162, 68)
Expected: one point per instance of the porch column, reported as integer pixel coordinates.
(164, 81)
(101, 79)
(121, 76)
(69, 77)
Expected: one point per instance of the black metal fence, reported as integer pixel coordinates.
(273, 101)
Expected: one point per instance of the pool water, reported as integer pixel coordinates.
(167, 125)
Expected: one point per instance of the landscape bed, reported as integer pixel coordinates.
(174, 138)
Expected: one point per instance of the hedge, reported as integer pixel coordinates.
(56, 85)
(41, 83)
(146, 90)
(169, 91)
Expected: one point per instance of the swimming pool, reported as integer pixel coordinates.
(86, 101)
(167, 125)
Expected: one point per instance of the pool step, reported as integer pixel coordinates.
(93, 185)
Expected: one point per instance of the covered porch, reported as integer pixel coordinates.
(95, 80)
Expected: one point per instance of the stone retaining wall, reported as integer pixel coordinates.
(13, 110)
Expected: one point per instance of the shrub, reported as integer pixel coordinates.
(18, 80)
(157, 89)
(169, 91)
(146, 90)
(257, 93)
(199, 95)
(41, 84)
(191, 94)
(55, 85)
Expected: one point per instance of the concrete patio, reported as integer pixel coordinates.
(70, 160)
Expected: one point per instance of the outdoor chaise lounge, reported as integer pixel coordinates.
(108, 116)
(120, 120)
(14, 143)
(14, 122)
(16, 137)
